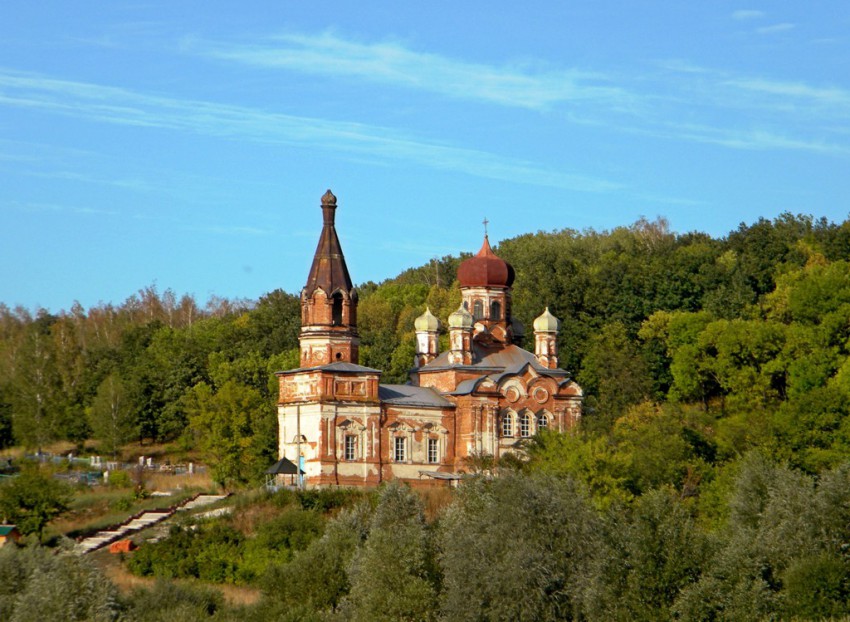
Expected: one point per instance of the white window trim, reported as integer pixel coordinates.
(400, 442)
(349, 438)
(436, 445)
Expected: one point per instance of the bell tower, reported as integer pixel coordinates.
(485, 286)
(328, 301)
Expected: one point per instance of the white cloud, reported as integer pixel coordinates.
(392, 63)
(775, 28)
(58, 208)
(835, 98)
(746, 14)
(108, 104)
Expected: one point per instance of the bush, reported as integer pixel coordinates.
(278, 539)
(37, 584)
(168, 601)
(211, 553)
(120, 479)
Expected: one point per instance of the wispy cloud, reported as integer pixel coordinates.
(775, 28)
(237, 230)
(126, 184)
(757, 139)
(747, 14)
(834, 98)
(37, 207)
(649, 103)
(391, 63)
(107, 104)
(751, 112)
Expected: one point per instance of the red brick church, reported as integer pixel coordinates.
(481, 397)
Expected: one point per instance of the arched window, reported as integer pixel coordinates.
(507, 425)
(336, 311)
(525, 425)
(495, 310)
(542, 421)
(477, 310)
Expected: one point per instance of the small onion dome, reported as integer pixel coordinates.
(546, 323)
(461, 318)
(486, 269)
(328, 198)
(427, 322)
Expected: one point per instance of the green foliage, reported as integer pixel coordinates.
(168, 601)
(327, 499)
(648, 447)
(120, 479)
(614, 371)
(37, 584)
(209, 552)
(32, 499)
(317, 577)
(109, 415)
(277, 541)
(233, 426)
(516, 548)
(218, 553)
(393, 575)
(649, 558)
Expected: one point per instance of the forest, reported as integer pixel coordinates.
(709, 478)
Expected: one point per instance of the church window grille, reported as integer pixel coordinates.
(525, 425)
(350, 447)
(400, 449)
(433, 450)
(507, 425)
(477, 310)
(495, 310)
(542, 422)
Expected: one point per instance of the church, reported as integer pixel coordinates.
(481, 397)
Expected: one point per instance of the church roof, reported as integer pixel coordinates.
(510, 358)
(337, 366)
(409, 395)
(328, 270)
(486, 269)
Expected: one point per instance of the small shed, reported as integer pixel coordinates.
(9, 533)
(278, 472)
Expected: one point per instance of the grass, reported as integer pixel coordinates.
(116, 571)
(93, 509)
(435, 500)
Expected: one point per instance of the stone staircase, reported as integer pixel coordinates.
(141, 521)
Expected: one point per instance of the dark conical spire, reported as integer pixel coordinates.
(328, 270)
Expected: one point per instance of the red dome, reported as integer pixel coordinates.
(486, 269)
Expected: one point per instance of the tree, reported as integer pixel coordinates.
(614, 371)
(33, 499)
(37, 584)
(393, 575)
(34, 385)
(317, 577)
(232, 428)
(651, 554)
(516, 548)
(110, 415)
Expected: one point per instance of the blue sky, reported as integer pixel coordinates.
(187, 144)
